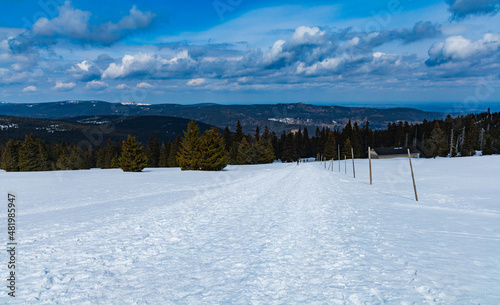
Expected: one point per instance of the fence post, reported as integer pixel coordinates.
(353, 170)
(339, 157)
(370, 163)
(412, 176)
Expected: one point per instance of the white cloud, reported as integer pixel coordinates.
(96, 85)
(121, 86)
(30, 89)
(150, 64)
(64, 86)
(86, 71)
(458, 48)
(74, 24)
(196, 82)
(144, 85)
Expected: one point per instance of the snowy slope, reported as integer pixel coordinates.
(267, 234)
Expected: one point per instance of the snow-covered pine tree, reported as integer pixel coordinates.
(132, 158)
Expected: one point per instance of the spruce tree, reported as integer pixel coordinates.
(29, 155)
(111, 155)
(44, 157)
(132, 158)
(346, 149)
(289, 149)
(164, 152)
(257, 134)
(75, 159)
(213, 155)
(238, 135)
(227, 139)
(10, 156)
(245, 153)
(264, 152)
(188, 156)
(174, 150)
(330, 151)
(62, 161)
(436, 144)
(153, 151)
(471, 139)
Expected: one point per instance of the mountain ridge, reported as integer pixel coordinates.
(278, 117)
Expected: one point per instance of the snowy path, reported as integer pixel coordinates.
(273, 234)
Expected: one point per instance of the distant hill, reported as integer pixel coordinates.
(278, 117)
(95, 130)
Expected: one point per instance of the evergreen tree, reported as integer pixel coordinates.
(238, 135)
(471, 139)
(101, 158)
(89, 158)
(62, 161)
(29, 155)
(266, 136)
(289, 149)
(368, 137)
(75, 159)
(188, 156)
(330, 151)
(227, 139)
(245, 153)
(213, 155)
(112, 153)
(10, 156)
(357, 141)
(264, 153)
(257, 134)
(44, 157)
(299, 144)
(489, 147)
(164, 152)
(174, 150)
(153, 151)
(436, 144)
(346, 149)
(132, 158)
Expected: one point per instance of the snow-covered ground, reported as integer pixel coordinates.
(267, 234)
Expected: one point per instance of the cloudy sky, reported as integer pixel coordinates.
(240, 51)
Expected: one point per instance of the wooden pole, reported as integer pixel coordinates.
(353, 170)
(345, 164)
(332, 164)
(370, 164)
(412, 176)
(339, 158)
(451, 143)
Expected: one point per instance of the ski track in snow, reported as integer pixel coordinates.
(271, 234)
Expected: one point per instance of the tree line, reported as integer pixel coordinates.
(460, 136)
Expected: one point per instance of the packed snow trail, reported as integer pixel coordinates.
(271, 234)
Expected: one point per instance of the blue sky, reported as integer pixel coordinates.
(240, 51)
